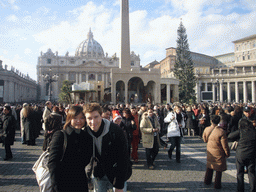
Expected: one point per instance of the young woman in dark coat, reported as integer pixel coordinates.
(190, 123)
(69, 174)
(128, 121)
(28, 119)
(7, 131)
(204, 121)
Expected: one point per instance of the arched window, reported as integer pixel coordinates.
(91, 77)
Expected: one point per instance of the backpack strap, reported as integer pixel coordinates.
(64, 144)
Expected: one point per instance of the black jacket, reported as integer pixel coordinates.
(114, 157)
(69, 174)
(130, 128)
(7, 129)
(246, 148)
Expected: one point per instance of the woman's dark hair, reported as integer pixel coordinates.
(72, 112)
(215, 119)
(8, 107)
(128, 112)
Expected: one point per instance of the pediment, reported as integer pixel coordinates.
(92, 64)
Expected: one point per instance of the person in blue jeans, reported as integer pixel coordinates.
(175, 131)
(109, 146)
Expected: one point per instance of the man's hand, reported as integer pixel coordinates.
(119, 190)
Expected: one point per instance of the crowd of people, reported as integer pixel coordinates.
(112, 133)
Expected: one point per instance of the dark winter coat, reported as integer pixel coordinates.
(114, 157)
(38, 121)
(190, 120)
(130, 128)
(233, 124)
(30, 127)
(246, 138)
(69, 174)
(7, 130)
(53, 123)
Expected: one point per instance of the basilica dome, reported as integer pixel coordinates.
(90, 48)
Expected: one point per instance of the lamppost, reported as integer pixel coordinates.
(49, 78)
(217, 84)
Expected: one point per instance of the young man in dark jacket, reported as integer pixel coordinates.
(110, 148)
(246, 150)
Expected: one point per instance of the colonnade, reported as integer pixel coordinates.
(218, 89)
(18, 92)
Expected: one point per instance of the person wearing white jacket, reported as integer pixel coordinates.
(175, 131)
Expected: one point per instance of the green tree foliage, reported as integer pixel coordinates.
(64, 96)
(184, 68)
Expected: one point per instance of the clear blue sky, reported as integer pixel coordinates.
(29, 27)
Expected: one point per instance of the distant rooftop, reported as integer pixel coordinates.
(245, 38)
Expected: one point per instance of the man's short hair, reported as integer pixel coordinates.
(89, 108)
(215, 119)
(106, 109)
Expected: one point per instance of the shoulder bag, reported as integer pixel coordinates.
(41, 169)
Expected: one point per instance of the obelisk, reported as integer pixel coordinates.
(125, 58)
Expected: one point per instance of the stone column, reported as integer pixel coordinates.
(80, 78)
(107, 79)
(176, 93)
(126, 92)
(67, 76)
(198, 92)
(168, 93)
(96, 77)
(228, 92)
(253, 91)
(245, 92)
(205, 86)
(213, 92)
(103, 79)
(113, 92)
(237, 92)
(221, 91)
(6, 91)
(86, 76)
(77, 78)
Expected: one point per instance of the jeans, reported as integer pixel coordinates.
(103, 184)
(152, 153)
(175, 142)
(250, 163)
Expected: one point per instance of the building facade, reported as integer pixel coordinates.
(107, 79)
(16, 87)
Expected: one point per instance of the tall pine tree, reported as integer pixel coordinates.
(184, 68)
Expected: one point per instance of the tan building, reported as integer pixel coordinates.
(16, 87)
(233, 78)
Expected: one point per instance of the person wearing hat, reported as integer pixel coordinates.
(47, 111)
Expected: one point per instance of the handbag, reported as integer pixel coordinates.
(41, 169)
(234, 145)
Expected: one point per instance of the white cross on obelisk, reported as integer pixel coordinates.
(125, 59)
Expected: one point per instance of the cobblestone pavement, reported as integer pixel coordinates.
(17, 175)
